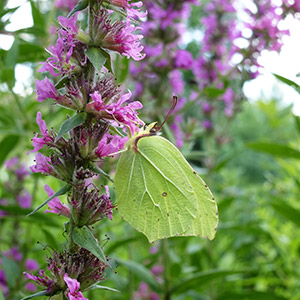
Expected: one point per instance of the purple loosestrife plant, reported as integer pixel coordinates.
(80, 64)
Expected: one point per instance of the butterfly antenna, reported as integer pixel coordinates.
(174, 103)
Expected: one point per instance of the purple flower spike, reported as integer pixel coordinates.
(55, 206)
(73, 288)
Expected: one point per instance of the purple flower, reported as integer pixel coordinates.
(118, 36)
(31, 264)
(110, 144)
(42, 164)
(30, 287)
(183, 60)
(157, 270)
(39, 142)
(9, 164)
(3, 283)
(132, 9)
(124, 114)
(65, 4)
(176, 81)
(41, 279)
(21, 172)
(206, 108)
(55, 205)
(61, 53)
(73, 291)
(13, 253)
(207, 124)
(24, 199)
(46, 89)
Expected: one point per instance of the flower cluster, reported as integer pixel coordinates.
(70, 273)
(76, 155)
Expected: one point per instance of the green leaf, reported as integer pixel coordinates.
(142, 272)
(249, 295)
(203, 278)
(1, 295)
(80, 6)
(42, 293)
(213, 92)
(99, 171)
(120, 243)
(96, 57)
(70, 124)
(38, 17)
(121, 68)
(275, 149)
(62, 82)
(62, 191)
(108, 63)
(12, 55)
(97, 286)
(297, 121)
(287, 211)
(18, 213)
(11, 270)
(288, 82)
(7, 145)
(84, 238)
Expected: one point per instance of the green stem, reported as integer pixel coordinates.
(71, 244)
(165, 256)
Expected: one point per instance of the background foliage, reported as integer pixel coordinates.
(254, 177)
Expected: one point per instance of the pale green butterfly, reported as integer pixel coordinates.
(159, 193)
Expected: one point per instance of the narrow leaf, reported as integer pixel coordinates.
(61, 82)
(70, 124)
(275, 149)
(287, 211)
(297, 121)
(42, 293)
(11, 270)
(99, 171)
(96, 57)
(1, 296)
(108, 64)
(7, 145)
(121, 68)
(288, 82)
(85, 239)
(250, 295)
(203, 278)
(142, 272)
(62, 191)
(80, 6)
(97, 286)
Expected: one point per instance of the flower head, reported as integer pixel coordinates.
(42, 164)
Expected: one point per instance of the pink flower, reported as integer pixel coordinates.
(41, 279)
(132, 9)
(65, 4)
(24, 199)
(183, 60)
(118, 36)
(31, 264)
(13, 253)
(176, 81)
(73, 288)
(46, 89)
(55, 205)
(124, 114)
(42, 164)
(207, 124)
(63, 50)
(9, 164)
(110, 144)
(30, 287)
(39, 142)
